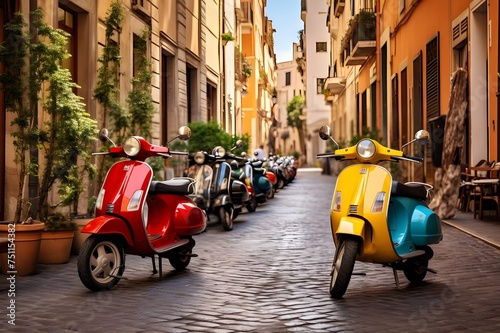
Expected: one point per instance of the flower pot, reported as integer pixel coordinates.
(79, 238)
(55, 247)
(27, 246)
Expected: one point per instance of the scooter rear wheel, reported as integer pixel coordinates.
(180, 259)
(236, 212)
(415, 269)
(343, 265)
(226, 218)
(101, 262)
(252, 205)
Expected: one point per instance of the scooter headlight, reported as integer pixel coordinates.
(219, 151)
(199, 157)
(366, 149)
(132, 146)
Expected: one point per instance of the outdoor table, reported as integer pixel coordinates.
(483, 183)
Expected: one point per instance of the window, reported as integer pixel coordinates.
(319, 85)
(67, 22)
(395, 143)
(321, 47)
(288, 78)
(432, 78)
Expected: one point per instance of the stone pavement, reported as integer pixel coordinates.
(271, 274)
(486, 230)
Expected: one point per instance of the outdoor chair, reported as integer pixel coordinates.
(488, 188)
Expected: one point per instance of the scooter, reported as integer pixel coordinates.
(256, 177)
(217, 192)
(375, 219)
(138, 216)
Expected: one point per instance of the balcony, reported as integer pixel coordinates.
(247, 16)
(335, 85)
(338, 7)
(359, 42)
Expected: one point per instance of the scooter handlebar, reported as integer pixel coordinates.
(328, 155)
(179, 153)
(409, 158)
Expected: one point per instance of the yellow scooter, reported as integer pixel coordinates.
(375, 219)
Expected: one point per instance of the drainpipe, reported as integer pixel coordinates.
(495, 126)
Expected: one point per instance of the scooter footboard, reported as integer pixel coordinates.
(425, 226)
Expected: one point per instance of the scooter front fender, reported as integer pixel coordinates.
(106, 224)
(351, 225)
(222, 200)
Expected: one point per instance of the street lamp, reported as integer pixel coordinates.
(275, 100)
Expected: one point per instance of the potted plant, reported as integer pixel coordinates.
(246, 69)
(227, 37)
(15, 82)
(66, 141)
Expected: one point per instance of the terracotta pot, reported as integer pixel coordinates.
(27, 247)
(79, 238)
(55, 247)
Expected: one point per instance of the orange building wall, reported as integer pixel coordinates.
(409, 36)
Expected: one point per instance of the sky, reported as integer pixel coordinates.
(285, 15)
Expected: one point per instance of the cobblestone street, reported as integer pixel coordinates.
(270, 274)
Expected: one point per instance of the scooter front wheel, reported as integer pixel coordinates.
(342, 267)
(101, 262)
(226, 218)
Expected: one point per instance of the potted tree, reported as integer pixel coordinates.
(19, 93)
(66, 141)
(64, 138)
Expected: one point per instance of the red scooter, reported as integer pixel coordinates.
(138, 216)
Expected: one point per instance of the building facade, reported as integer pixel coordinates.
(390, 71)
(289, 84)
(316, 55)
(196, 48)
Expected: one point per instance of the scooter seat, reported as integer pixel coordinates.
(418, 192)
(182, 186)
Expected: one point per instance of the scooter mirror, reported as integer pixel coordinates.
(103, 135)
(239, 144)
(422, 137)
(184, 133)
(325, 132)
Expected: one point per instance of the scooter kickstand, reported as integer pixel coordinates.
(154, 264)
(396, 277)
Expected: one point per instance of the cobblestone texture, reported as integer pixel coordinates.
(270, 274)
